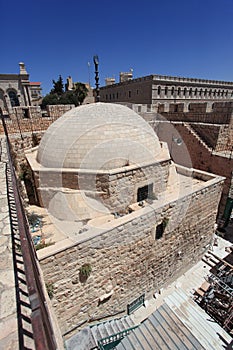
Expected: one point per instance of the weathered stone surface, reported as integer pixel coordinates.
(129, 258)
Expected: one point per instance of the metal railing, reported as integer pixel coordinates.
(43, 334)
(136, 304)
(111, 341)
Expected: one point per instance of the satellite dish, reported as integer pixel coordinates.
(177, 140)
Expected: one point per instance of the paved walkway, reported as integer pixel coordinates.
(8, 310)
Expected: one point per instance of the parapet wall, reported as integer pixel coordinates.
(216, 113)
(30, 119)
(128, 260)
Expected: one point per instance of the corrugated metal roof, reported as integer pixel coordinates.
(178, 324)
(209, 333)
(162, 330)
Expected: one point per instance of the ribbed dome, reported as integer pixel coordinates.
(98, 136)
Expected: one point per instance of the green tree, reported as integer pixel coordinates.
(81, 92)
(58, 86)
(58, 96)
(50, 99)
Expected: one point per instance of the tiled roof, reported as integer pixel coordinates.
(35, 83)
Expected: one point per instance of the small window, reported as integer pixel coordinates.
(106, 97)
(26, 113)
(165, 91)
(159, 90)
(159, 231)
(144, 192)
(129, 94)
(172, 91)
(137, 92)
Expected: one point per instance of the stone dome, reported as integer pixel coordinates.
(98, 136)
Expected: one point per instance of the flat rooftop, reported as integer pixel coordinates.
(66, 233)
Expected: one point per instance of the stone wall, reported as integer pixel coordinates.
(204, 159)
(134, 91)
(220, 113)
(58, 110)
(29, 119)
(25, 112)
(127, 260)
(117, 188)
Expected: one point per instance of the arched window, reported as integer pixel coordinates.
(165, 91)
(13, 98)
(195, 92)
(185, 92)
(159, 90)
(210, 92)
(172, 91)
(200, 93)
(178, 91)
(190, 92)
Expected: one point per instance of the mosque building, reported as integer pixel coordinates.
(127, 211)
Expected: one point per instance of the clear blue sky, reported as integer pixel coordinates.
(192, 38)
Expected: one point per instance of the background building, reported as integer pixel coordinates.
(158, 88)
(16, 90)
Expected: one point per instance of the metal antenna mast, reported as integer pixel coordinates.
(96, 63)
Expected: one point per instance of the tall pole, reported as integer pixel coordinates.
(89, 78)
(96, 63)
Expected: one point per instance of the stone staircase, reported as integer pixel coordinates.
(195, 134)
(87, 338)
